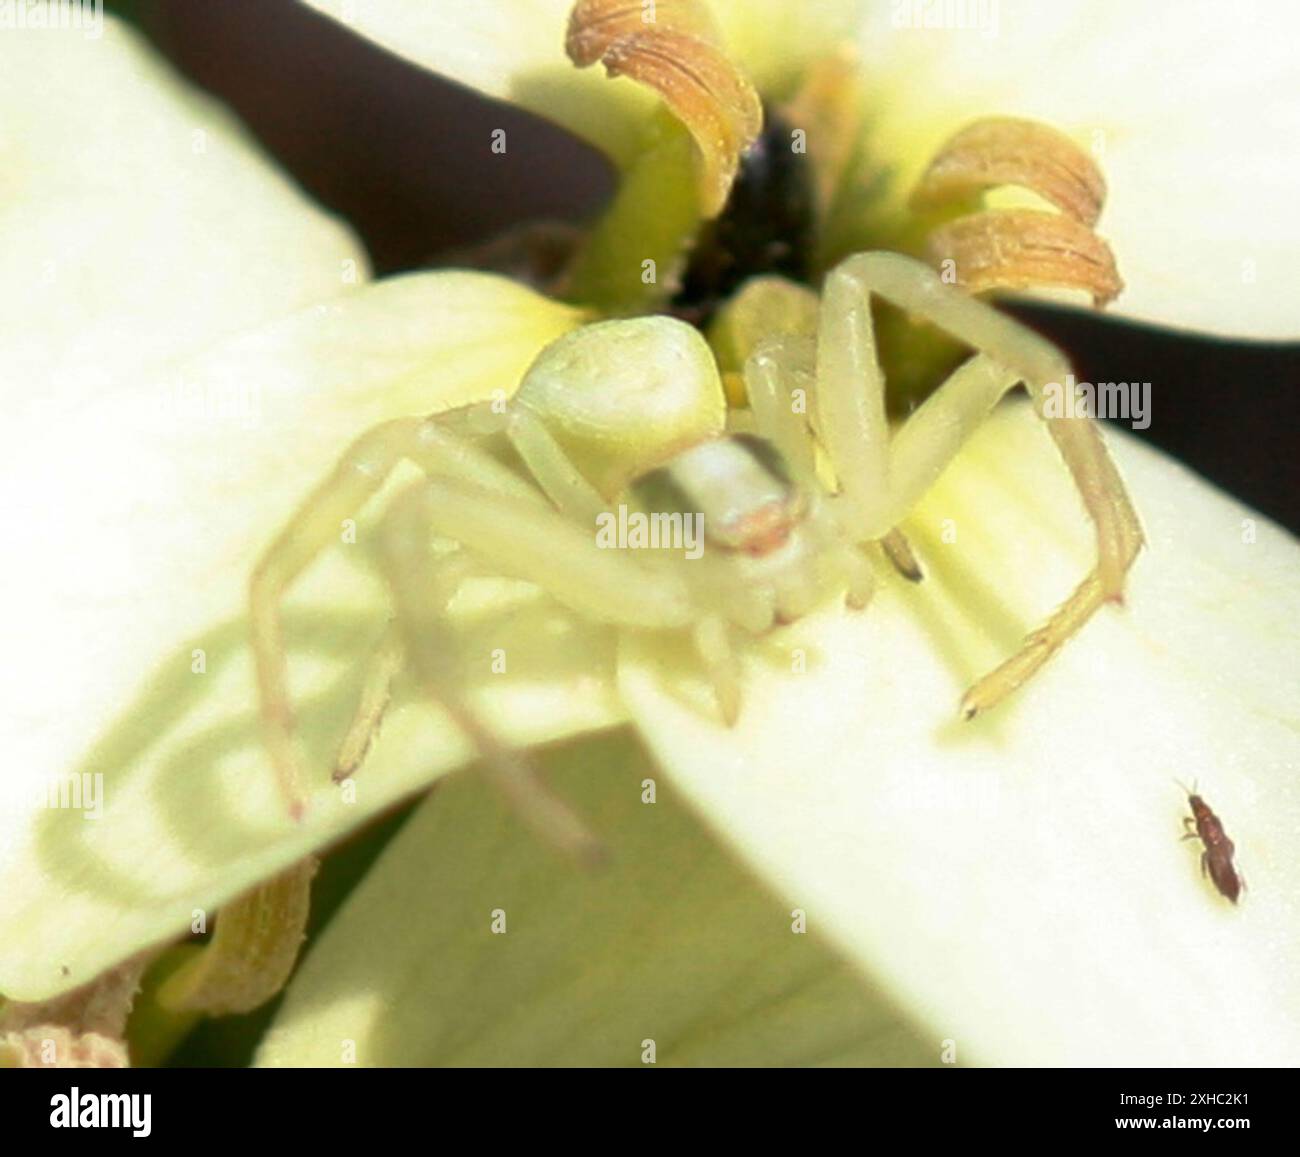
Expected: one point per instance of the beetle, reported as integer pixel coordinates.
(1216, 859)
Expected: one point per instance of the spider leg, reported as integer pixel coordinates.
(714, 648)
(881, 490)
(538, 545)
(899, 551)
(779, 376)
(1119, 538)
(862, 581)
(384, 665)
(541, 453)
(561, 481)
(376, 693)
(358, 476)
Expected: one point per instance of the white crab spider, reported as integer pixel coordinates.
(634, 411)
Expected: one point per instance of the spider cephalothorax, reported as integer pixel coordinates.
(632, 413)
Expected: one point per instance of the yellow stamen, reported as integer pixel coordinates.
(1020, 248)
(595, 26)
(672, 48)
(1009, 151)
(252, 951)
(1026, 249)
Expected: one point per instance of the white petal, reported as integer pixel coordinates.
(1193, 113)
(138, 219)
(674, 943)
(135, 521)
(1019, 883)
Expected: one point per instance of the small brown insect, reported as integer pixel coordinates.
(1216, 860)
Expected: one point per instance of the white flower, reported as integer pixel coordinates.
(1015, 885)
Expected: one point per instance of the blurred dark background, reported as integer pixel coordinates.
(403, 156)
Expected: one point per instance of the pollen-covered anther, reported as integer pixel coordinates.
(1026, 249)
(596, 25)
(672, 48)
(1010, 151)
(1020, 248)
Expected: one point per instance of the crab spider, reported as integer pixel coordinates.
(633, 412)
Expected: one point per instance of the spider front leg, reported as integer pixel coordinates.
(881, 479)
(376, 694)
(361, 472)
(542, 547)
(385, 664)
(558, 479)
(779, 375)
